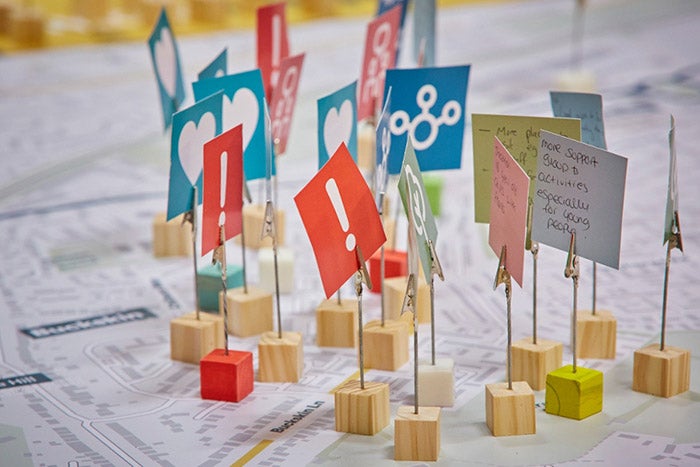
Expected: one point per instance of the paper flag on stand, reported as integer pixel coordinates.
(337, 123)
(424, 31)
(272, 43)
(386, 5)
(672, 194)
(383, 147)
(586, 107)
(338, 212)
(283, 98)
(217, 68)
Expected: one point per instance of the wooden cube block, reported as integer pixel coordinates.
(209, 284)
(209, 11)
(192, 338)
(366, 146)
(394, 294)
(433, 188)
(574, 395)
(662, 373)
(285, 267)
(510, 411)
(385, 347)
(336, 323)
(362, 411)
(596, 334)
(92, 10)
(390, 231)
(226, 377)
(395, 265)
(249, 314)
(280, 360)
(28, 28)
(436, 383)
(171, 238)
(532, 362)
(253, 220)
(417, 436)
(6, 12)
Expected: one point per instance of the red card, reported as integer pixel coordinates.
(222, 180)
(273, 44)
(380, 55)
(339, 214)
(283, 98)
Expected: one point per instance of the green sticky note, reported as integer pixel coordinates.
(411, 184)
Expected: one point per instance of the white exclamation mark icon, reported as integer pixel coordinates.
(222, 186)
(337, 202)
(276, 49)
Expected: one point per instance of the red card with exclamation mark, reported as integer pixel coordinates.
(272, 43)
(222, 180)
(339, 214)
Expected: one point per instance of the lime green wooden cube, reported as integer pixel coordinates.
(574, 395)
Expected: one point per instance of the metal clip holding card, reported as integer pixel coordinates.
(220, 251)
(571, 271)
(362, 274)
(435, 267)
(502, 274)
(676, 240)
(408, 305)
(269, 229)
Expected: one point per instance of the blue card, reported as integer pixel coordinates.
(337, 122)
(243, 102)
(424, 31)
(192, 127)
(386, 5)
(217, 68)
(586, 107)
(429, 104)
(383, 146)
(166, 64)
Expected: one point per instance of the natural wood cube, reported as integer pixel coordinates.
(362, 411)
(336, 323)
(192, 338)
(6, 12)
(280, 360)
(226, 377)
(285, 268)
(417, 436)
(395, 265)
(510, 411)
(253, 220)
(662, 373)
(209, 284)
(28, 27)
(171, 238)
(249, 314)
(436, 383)
(395, 292)
(596, 334)
(209, 11)
(366, 146)
(385, 347)
(532, 362)
(574, 395)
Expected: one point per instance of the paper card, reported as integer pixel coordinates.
(217, 68)
(386, 5)
(242, 104)
(272, 42)
(428, 104)
(509, 194)
(424, 32)
(337, 123)
(380, 55)
(166, 63)
(382, 148)
(283, 98)
(339, 214)
(672, 194)
(411, 185)
(586, 107)
(223, 187)
(580, 188)
(520, 135)
(192, 127)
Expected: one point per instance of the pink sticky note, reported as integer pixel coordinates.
(284, 96)
(509, 190)
(272, 42)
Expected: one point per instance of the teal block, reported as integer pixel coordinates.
(209, 284)
(433, 188)
(574, 395)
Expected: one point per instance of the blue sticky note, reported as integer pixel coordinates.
(429, 104)
(166, 64)
(386, 5)
(586, 107)
(424, 31)
(192, 127)
(244, 97)
(337, 122)
(216, 69)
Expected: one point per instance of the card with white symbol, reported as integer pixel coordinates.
(192, 127)
(383, 147)
(166, 63)
(386, 5)
(424, 32)
(586, 107)
(272, 43)
(216, 68)
(428, 105)
(337, 123)
(283, 98)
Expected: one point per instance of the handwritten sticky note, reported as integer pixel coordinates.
(166, 63)
(508, 213)
(429, 105)
(192, 127)
(423, 222)
(580, 188)
(339, 215)
(222, 182)
(283, 98)
(424, 32)
(586, 107)
(216, 68)
(337, 122)
(520, 135)
(243, 102)
(272, 42)
(672, 194)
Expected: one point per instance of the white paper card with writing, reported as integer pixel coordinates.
(579, 188)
